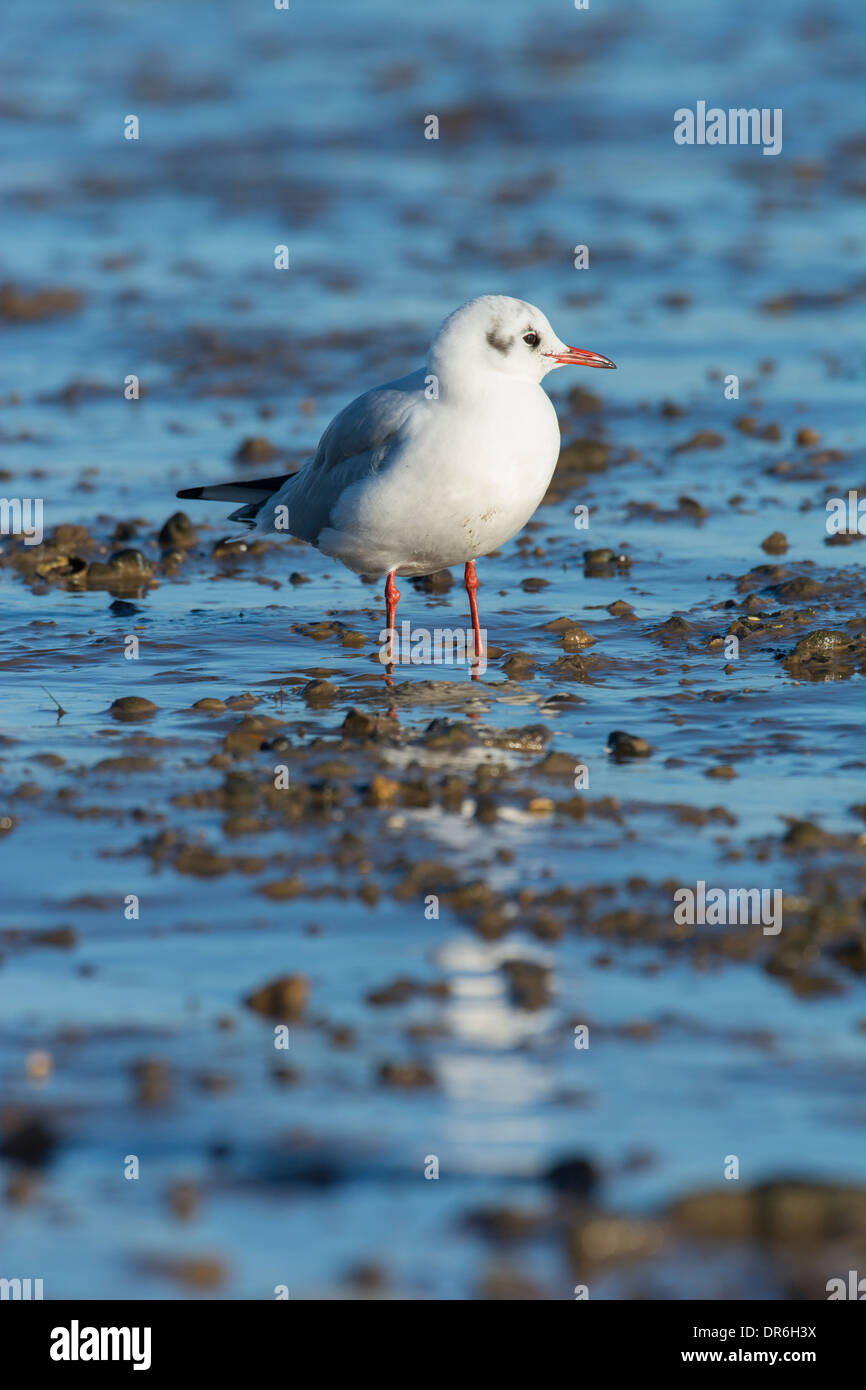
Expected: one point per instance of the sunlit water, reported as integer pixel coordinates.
(305, 128)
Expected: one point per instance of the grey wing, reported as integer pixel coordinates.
(357, 442)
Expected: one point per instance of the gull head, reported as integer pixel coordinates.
(500, 334)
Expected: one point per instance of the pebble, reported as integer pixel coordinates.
(284, 998)
(623, 745)
(132, 708)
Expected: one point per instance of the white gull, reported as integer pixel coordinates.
(434, 469)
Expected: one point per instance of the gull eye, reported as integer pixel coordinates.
(532, 338)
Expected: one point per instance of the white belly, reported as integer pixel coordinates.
(456, 492)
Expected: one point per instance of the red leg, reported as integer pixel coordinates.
(392, 595)
(470, 579)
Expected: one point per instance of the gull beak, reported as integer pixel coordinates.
(580, 357)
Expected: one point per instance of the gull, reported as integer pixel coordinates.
(435, 469)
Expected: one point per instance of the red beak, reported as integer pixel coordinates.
(580, 357)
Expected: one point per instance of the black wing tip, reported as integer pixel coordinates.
(238, 490)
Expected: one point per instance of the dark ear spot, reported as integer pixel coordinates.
(498, 341)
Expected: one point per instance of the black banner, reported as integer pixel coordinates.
(157, 1337)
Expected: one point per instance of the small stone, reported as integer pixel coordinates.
(125, 569)
(519, 666)
(130, 708)
(178, 532)
(255, 449)
(804, 834)
(775, 544)
(359, 724)
(243, 743)
(285, 997)
(318, 693)
(23, 306)
(784, 1211)
(558, 765)
(703, 439)
(821, 643)
(546, 926)
(215, 1082)
(690, 507)
(575, 1177)
(803, 587)
(528, 983)
(26, 1139)
(196, 1271)
(399, 991)
(151, 1081)
(382, 791)
(438, 583)
(574, 638)
(281, 890)
(406, 1075)
(623, 745)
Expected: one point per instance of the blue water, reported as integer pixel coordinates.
(260, 128)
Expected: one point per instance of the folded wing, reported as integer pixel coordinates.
(361, 440)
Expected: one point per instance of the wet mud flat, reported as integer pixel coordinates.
(298, 940)
(378, 989)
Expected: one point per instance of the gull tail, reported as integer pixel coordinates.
(252, 492)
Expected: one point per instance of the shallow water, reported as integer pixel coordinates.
(306, 127)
